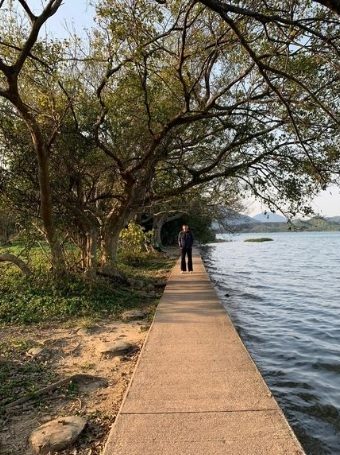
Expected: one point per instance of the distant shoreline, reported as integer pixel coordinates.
(314, 225)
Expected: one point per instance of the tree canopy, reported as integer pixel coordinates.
(162, 100)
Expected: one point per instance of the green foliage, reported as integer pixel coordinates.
(314, 225)
(40, 298)
(144, 263)
(200, 226)
(177, 101)
(134, 240)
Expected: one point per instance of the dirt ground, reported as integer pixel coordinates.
(38, 357)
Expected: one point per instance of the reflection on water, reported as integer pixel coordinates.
(284, 299)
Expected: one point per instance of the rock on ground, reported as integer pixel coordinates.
(133, 315)
(117, 348)
(56, 435)
(34, 352)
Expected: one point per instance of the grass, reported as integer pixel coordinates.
(38, 298)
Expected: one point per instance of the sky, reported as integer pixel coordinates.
(326, 204)
(78, 15)
(72, 14)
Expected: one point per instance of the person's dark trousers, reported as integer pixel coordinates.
(188, 252)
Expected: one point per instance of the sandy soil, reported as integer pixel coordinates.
(65, 352)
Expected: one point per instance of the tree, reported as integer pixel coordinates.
(176, 99)
(15, 54)
(272, 11)
(185, 98)
(203, 204)
(289, 59)
(6, 227)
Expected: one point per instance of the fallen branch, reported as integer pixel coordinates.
(50, 388)
(7, 257)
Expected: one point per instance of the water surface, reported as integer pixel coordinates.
(284, 299)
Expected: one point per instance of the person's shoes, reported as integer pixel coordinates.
(191, 271)
(182, 271)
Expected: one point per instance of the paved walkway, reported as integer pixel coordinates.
(195, 389)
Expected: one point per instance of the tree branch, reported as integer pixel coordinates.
(7, 257)
(224, 8)
(262, 69)
(334, 5)
(37, 23)
(28, 10)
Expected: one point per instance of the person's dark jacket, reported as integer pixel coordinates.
(185, 239)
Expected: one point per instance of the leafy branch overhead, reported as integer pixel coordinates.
(166, 98)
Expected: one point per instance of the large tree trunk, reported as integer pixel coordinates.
(91, 252)
(110, 239)
(57, 257)
(88, 245)
(158, 222)
(81, 242)
(117, 219)
(46, 212)
(41, 145)
(113, 225)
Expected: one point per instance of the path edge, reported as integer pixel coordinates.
(107, 444)
(108, 450)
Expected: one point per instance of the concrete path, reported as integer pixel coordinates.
(195, 389)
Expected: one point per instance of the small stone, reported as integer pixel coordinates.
(56, 435)
(118, 348)
(90, 383)
(133, 315)
(34, 352)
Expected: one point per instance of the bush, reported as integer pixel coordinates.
(134, 241)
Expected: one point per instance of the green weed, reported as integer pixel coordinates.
(39, 298)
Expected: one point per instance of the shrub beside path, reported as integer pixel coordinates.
(195, 389)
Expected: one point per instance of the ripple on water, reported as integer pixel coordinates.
(283, 298)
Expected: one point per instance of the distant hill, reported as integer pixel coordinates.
(333, 219)
(230, 218)
(236, 222)
(269, 217)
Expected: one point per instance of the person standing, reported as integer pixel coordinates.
(185, 241)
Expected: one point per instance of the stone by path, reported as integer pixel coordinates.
(196, 390)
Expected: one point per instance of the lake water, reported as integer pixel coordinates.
(284, 299)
